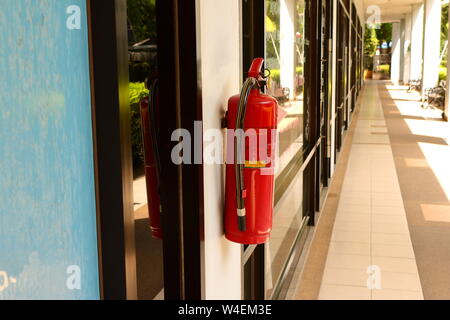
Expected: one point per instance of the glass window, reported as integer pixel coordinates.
(285, 57)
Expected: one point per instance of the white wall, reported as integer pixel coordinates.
(396, 47)
(220, 49)
(417, 42)
(432, 43)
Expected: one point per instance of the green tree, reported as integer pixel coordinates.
(384, 33)
(142, 16)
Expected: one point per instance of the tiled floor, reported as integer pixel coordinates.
(371, 255)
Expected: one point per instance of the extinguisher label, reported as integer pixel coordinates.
(255, 164)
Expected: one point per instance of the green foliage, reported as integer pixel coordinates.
(370, 42)
(139, 71)
(142, 15)
(442, 73)
(137, 92)
(444, 28)
(384, 68)
(384, 33)
(275, 73)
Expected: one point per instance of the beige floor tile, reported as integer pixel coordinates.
(353, 208)
(400, 281)
(353, 217)
(384, 187)
(346, 277)
(386, 210)
(355, 187)
(400, 265)
(387, 202)
(335, 292)
(393, 250)
(387, 294)
(350, 248)
(390, 239)
(382, 218)
(348, 261)
(356, 194)
(391, 227)
(351, 236)
(359, 226)
(354, 201)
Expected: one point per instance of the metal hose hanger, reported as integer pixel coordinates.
(239, 157)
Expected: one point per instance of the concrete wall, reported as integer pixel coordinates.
(219, 52)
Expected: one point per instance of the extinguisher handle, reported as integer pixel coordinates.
(239, 151)
(256, 68)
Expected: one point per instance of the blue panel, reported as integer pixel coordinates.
(48, 238)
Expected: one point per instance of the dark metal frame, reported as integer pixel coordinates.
(253, 262)
(112, 148)
(182, 187)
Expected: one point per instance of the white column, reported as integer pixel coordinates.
(432, 43)
(220, 60)
(287, 45)
(402, 50)
(395, 57)
(407, 49)
(417, 42)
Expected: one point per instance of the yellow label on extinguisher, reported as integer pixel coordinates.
(255, 164)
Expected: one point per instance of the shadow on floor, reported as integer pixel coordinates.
(149, 261)
(420, 189)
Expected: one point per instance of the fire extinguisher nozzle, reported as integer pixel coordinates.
(242, 224)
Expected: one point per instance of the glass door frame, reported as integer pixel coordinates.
(182, 188)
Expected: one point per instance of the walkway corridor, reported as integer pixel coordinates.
(384, 231)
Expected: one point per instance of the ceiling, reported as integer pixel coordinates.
(391, 10)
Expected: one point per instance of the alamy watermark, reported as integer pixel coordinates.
(374, 279)
(373, 16)
(256, 148)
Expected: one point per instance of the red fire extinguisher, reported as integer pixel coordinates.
(250, 182)
(149, 106)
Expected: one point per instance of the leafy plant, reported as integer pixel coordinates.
(370, 41)
(142, 16)
(137, 92)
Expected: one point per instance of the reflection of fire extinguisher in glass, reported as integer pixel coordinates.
(149, 114)
(250, 181)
